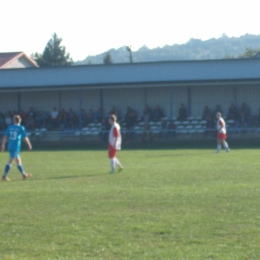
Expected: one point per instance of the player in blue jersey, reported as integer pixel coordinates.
(14, 134)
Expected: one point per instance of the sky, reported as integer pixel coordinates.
(90, 27)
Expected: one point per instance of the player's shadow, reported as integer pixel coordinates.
(63, 177)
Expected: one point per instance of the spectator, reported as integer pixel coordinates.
(130, 121)
(242, 120)
(83, 116)
(245, 111)
(105, 127)
(23, 116)
(54, 117)
(206, 113)
(232, 112)
(62, 119)
(98, 115)
(2, 121)
(30, 123)
(171, 128)
(31, 113)
(210, 126)
(72, 119)
(147, 118)
(8, 119)
(164, 128)
(114, 111)
(41, 119)
(157, 114)
(90, 116)
(183, 114)
(147, 111)
(218, 110)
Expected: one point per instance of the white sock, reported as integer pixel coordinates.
(225, 144)
(218, 147)
(117, 162)
(112, 164)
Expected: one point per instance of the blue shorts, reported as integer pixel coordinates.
(14, 154)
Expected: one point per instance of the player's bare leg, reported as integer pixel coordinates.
(225, 144)
(118, 164)
(219, 146)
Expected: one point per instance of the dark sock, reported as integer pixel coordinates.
(7, 169)
(21, 170)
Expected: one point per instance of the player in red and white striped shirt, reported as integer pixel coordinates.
(222, 133)
(114, 144)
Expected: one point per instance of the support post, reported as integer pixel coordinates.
(171, 103)
(80, 107)
(189, 100)
(59, 100)
(18, 102)
(101, 100)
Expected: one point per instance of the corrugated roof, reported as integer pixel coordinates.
(156, 72)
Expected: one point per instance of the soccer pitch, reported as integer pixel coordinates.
(166, 204)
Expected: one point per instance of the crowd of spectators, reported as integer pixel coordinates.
(68, 119)
(240, 116)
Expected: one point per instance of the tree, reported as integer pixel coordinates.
(129, 49)
(54, 54)
(107, 59)
(249, 53)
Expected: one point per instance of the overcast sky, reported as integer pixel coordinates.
(90, 27)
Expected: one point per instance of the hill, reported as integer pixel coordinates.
(194, 49)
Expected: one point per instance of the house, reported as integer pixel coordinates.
(12, 60)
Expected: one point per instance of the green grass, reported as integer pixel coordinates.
(166, 204)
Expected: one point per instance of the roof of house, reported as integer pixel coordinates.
(160, 73)
(7, 58)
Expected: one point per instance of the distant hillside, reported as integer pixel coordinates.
(194, 49)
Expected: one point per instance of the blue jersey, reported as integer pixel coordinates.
(15, 134)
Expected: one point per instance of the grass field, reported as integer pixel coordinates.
(166, 204)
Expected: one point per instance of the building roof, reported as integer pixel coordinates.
(146, 74)
(7, 58)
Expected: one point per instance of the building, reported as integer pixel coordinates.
(12, 60)
(194, 83)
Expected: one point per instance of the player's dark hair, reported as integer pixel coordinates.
(17, 119)
(112, 118)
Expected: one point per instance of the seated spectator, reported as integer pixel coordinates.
(62, 119)
(72, 119)
(147, 111)
(232, 112)
(206, 113)
(130, 121)
(146, 119)
(8, 119)
(245, 111)
(31, 113)
(41, 119)
(114, 111)
(157, 114)
(83, 116)
(23, 116)
(210, 126)
(218, 110)
(242, 120)
(30, 123)
(183, 113)
(2, 121)
(54, 117)
(98, 115)
(90, 116)
(171, 128)
(105, 127)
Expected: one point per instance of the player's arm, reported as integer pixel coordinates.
(221, 125)
(27, 141)
(4, 140)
